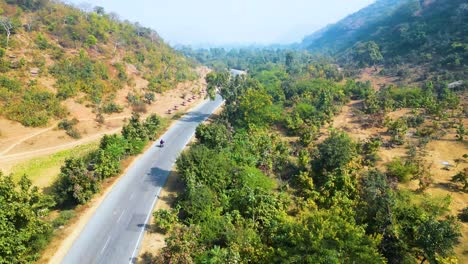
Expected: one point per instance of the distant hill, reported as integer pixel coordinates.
(348, 30)
(423, 32)
(50, 52)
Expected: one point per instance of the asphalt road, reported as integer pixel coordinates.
(114, 232)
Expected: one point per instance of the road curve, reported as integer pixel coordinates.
(114, 232)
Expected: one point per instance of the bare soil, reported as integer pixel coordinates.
(377, 81)
(19, 143)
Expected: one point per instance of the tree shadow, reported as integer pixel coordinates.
(194, 117)
(449, 186)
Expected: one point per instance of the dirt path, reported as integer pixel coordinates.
(31, 154)
(23, 139)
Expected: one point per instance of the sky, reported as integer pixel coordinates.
(221, 22)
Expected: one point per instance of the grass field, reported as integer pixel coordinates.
(43, 170)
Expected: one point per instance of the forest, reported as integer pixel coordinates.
(262, 185)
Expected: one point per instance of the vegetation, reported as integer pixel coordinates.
(265, 182)
(80, 178)
(24, 232)
(25, 228)
(398, 32)
(79, 62)
(252, 197)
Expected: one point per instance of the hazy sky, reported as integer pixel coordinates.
(228, 22)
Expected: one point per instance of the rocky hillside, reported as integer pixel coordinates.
(51, 53)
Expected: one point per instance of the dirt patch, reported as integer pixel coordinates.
(19, 143)
(377, 81)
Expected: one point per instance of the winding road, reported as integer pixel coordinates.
(114, 232)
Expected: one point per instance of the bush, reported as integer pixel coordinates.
(63, 218)
(164, 220)
(112, 108)
(75, 184)
(74, 133)
(402, 171)
(415, 120)
(42, 42)
(68, 126)
(463, 215)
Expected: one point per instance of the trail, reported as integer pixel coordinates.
(32, 153)
(26, 138)
(43, 151)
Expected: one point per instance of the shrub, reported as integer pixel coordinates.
(164, 220)
(415, 120)
(41, 42)
(63, 218)
(74, 133)
(463, 215)
(75, 184)
(402, 171)
(112, 108)
(68, 126)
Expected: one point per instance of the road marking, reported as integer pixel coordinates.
(131, 196)
(105, 245)
(118, 220)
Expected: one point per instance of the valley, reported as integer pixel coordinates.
(120, 146)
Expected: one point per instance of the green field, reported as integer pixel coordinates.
(44, 169)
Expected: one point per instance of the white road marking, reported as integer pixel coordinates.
(105, 245)
(118, 219)
(131, 196)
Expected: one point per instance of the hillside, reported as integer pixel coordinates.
(54, 57)
(430, 33)
(336, 36)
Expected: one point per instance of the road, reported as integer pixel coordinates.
(114, 232)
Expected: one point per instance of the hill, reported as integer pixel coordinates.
(429, 33)
(53, 55)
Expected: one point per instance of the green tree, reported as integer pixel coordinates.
(75, 184)
(367, 53)
(324, 236)
(215, 81)
(255, 108)
(437, 238)
(23, 230)
(335, 152)
(213, 135)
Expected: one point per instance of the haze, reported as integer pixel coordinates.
(217, 22)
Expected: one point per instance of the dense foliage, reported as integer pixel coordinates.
(23, 230)
(253, 196)
(80, 178)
